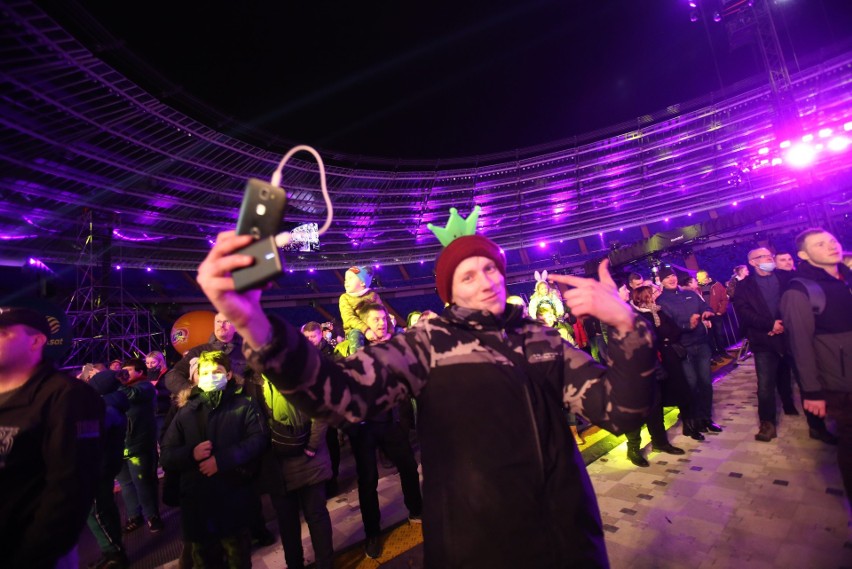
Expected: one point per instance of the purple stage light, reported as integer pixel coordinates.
(311, 270)
(689, 214)
(838, 144)
(763, 151)
(848, 126)
(734, 204)
(785, 144)
(776, 161)
(693, 16)
(148, 269)
(824, 132)
(118, 267)
(808, 138)
(542, 244)
(666, 219)
(801, 155)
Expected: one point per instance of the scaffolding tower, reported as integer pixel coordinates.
(107, 323)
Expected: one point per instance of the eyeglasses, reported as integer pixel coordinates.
(762, 257)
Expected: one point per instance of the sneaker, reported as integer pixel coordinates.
(373, 547)
(133, 524)
(766, 432)
(415, 519)
(155, 524)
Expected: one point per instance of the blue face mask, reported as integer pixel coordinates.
(768, 267)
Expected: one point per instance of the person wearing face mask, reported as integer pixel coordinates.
(157, 369)
(225, 339)
(758, 307)
(214, 443)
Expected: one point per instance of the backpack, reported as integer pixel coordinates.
(815, 294)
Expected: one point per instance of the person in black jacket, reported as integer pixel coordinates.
(817, 312)
(757, 303)
(214, 441)
(314, 333)
(642, 301)
(104, 519)
(51, 443)
(138, 475)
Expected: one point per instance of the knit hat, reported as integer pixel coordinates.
(11, 315)
(363, 273)
(460, 249)
(665, 272)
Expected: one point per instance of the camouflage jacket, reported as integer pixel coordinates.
(504, 484)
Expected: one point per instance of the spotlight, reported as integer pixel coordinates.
(801, 155)
(785, 144)
(118, 267)
(542, 244)
(717, 17)
(824, 132)
(148, 269)
(693, 16)
(838, 144)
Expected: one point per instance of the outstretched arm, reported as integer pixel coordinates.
(597, 298)
(214, 277)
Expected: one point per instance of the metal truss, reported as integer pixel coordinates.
(107, 323)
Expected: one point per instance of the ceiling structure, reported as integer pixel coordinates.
(94, 165)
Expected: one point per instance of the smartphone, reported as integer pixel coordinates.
(262, 210)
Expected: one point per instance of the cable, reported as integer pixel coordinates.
(283, 238)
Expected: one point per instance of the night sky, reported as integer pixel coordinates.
(440, 79)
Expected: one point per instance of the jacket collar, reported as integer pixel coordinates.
(809, 271)
(512, 317)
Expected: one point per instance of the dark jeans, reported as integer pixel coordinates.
(716, 335)
(839, 406)
(696, 368)
(656, 426)
(233, 552)
(138, 479)
(393, 440)
(773, 374)
(104, 520)
(311, 501)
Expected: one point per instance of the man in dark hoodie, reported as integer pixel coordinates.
(50, 446)
(817, 313)
(104, 519)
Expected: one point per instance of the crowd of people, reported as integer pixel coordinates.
(493, 388)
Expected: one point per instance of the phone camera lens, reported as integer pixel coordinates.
(264, 194)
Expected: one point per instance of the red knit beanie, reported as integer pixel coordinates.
(459, 250)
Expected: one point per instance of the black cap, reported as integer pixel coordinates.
(11, 315)
(665, 272)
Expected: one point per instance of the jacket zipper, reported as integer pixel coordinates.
(535, 432)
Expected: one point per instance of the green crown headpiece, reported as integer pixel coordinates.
(456, 226)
